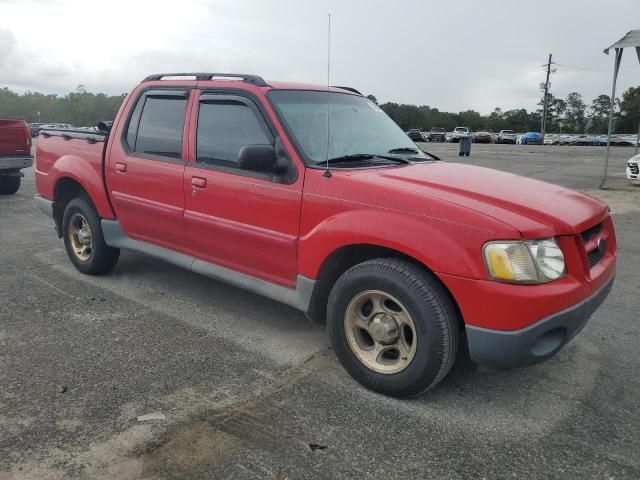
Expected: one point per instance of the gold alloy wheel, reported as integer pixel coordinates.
(380, 332)
(80, 236)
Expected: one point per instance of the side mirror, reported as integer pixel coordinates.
(259, 158)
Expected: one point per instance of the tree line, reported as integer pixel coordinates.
(79, 108)
(568, 115)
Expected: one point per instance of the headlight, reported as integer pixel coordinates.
(535, 261)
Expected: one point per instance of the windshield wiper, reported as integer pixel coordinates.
(414, 150)
(356, 157)
(404, 150)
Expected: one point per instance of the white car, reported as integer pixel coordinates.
(633, 165)
(507, 136)
(458, 133)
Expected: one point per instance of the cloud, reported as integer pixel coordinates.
(453, 56)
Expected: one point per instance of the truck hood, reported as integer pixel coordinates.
(536, 209)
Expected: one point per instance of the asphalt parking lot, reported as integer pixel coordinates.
(242, 387)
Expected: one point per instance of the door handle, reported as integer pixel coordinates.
(121, 167)
(198, 182)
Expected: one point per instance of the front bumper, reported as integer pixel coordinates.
(537, 342)
(15, 163)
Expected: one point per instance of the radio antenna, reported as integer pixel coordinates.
(327, 173)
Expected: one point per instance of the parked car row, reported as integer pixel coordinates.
(592, 140)
(438, 134)
(36, 127)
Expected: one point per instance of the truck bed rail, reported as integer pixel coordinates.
(68, 134)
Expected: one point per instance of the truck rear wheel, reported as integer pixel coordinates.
(9, 185)
(393, 326)
(83, 238)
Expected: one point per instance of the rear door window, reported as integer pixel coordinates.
(158, 131)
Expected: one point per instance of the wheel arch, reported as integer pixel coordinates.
(66, 189)
(347, 256)
(73, 171)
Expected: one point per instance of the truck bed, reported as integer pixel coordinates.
(74, 152)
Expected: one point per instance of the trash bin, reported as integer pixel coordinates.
(465, 146)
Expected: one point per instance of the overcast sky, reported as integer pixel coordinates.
(453, 55)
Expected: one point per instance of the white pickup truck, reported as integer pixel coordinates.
(458, 133)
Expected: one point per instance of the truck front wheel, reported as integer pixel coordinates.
(393, 326)
(9, 185)
(83, 238)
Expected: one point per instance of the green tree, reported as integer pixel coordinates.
(79, 108)
(575, 117)
(472, 119)
(555, 111)
(598, 118)
(629, 116)
(495, 122)
(519, 120)
(373, 98)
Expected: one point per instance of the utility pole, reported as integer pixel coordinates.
(546, 95)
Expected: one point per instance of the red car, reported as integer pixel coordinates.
(437, 134)
(342, 218)
(15, 153)
(482, 137)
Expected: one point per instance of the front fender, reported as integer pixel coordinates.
(442, 245)
(88, 175)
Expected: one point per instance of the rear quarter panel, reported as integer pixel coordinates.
(75, 159)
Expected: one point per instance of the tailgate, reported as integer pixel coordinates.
(13, 139)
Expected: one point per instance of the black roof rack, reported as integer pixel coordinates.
(349, 89)
(249, 78)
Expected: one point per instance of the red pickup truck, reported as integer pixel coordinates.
(313, 197)
(15, 153)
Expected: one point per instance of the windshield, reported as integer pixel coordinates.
(461, 129)
(507, 131)
(356, 125)
(437, 129)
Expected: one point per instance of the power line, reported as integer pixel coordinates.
(580, 68)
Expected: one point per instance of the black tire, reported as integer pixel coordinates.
(432, 311)
(102, 258)
(9, 185)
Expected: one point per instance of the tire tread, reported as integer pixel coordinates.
(432, 292)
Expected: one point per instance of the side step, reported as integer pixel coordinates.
(298, 298)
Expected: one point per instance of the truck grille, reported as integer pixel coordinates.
(591, 232)
(595, 244)
(634, 168)
(594, 256)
